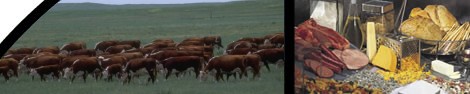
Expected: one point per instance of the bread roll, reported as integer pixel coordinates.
(446, 19)
(431, 9)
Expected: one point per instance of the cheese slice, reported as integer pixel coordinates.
(371, 41)
(385, 58)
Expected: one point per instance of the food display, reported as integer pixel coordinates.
(421, 54)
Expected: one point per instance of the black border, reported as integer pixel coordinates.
(289, 46)
(25, 24)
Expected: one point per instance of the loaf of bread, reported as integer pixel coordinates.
(421, 28)
(446, 19)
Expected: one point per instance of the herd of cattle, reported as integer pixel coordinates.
(126, 59)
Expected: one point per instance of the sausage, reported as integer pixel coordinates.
(332, 61)
(319, 69)
(333, 67)
(332, 55)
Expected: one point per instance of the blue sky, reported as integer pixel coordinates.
(142, 1)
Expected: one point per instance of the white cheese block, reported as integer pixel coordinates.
(442, 67)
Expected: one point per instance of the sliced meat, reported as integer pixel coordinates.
(319, 69)
(354, 59)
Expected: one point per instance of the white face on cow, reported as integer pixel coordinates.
(33, 72)
(67, 72)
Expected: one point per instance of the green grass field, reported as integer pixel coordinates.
(92, 23)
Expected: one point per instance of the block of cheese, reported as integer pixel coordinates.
(442, 67)
(385, 58)
(371, 41)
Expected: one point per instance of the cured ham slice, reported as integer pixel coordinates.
(354, 59)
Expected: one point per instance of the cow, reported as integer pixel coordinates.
(4, 70)
(51, 49)
(132, 55)
(17, 57)
(183, 63)
(225, 64)
(266, 46)
(117, 49)
(73, 46)
(270, 55)
(85, 65)
(112, 70)
(277, 40)
(100, 47)
(157, 45)
(20, 51)
(37, 61)
(68, 61)
(105, 62)
(88, 52)
(191, 43)
(208, 40)
(163, 41)
(241, 44)
(46, 70)
(252, 40)
(133, 43)
(240, 51)
(162, 55)
(9, 64)
(253, 61)
(132, 66)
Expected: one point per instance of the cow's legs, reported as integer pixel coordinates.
(217, 76)
(266, 64)
(168, 73)
(42, 77)
(84, 76)
(196, 71)
(5, 75)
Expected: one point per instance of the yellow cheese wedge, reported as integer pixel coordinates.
(371, 41)
(385, 58)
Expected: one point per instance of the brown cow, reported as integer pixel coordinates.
(105, 62)
(191, 43)
(118, 48)
(17, 57)
(133, 43)
(225, 64)
(51, 49)
(73, 46)
(163, 41)
(4, 70)
(37, 61)
(240, 51)
(85, 65)
(88, 52)
(9, 64)
(112, 70)
(20, 51)
(156, 45)
(277, 40)
(103, 45)
(266, 46)
(132, 55)
(182, 63)
(46, 70)
(253, 61)
(68, 61)
(162, 55)
(134, 65)
(241, 44)
(270, 55)
(208, 40)
(252, 40)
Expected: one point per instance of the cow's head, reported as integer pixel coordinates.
(33, 72)
(105, 72)
(218, 42)
(67, 72)
(159, 67)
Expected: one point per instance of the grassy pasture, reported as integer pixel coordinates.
(92, 23)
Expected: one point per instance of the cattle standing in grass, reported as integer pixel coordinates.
(240, 51)
(277, 40)
(134, 65)
(253, 61)
(4, 70)
(46, 70)
(225, 64)
(271, 55)
(163, 41)
(183, 63)
(20, 51)
(17, 57)
(241, 44)
(112, 70)
(208, 40)
(68, 61)
(85, 65)
(34, 62)
(100, 47)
